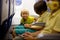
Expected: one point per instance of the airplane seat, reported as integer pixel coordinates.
(10, 20)
(8, 34)
(5, 27)
(50, 37)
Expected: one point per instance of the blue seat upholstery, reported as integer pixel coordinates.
(5, 26)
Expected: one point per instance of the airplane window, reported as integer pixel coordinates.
(18, 2)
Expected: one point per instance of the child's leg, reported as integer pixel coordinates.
(19, 27)
(21, 31)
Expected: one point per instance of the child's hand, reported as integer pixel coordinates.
(27, 25)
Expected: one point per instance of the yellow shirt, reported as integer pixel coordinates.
(29, 20)
(44, 17)
(53, 24)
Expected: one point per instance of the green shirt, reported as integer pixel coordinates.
(29, 20)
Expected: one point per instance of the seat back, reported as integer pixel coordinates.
(5, 26)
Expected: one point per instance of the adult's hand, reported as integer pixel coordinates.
(28, 36)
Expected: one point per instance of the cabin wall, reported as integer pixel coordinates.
(4, 10)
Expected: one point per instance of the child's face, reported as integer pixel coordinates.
(25, 15)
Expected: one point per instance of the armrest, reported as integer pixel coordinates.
(50, 36)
